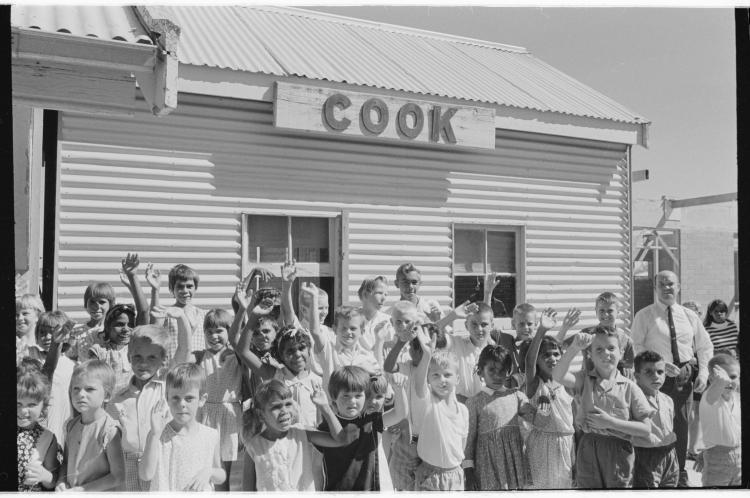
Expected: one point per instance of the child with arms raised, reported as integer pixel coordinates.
(132, 405)
(467, 349)
(182, 454)
(92, 458)
(281, 449)
(721, 423)
(613, 409)
(39, 453)
(549, 446)
(656, 463)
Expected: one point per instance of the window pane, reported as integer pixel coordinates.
(470, 288)
(468, 255)
(502, 252)
(267, 238)
(467, 288)
(310, 240)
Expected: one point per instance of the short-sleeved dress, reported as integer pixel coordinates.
(48, 451)
(223, 408)
(183, 457)
(285, 464)
(85, 448)
(549, 446)
(495, 443)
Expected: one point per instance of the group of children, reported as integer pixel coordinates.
(148, 397)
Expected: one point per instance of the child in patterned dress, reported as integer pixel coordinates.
(39, 454)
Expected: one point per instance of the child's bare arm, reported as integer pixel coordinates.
(288, 275)
(150, 459)
(719, 381)
(154, 281)
(560, 373)
(420, 373)
(160, 313)
(311, 291)
(116, 476)
(336, 435)
(546, 322)
(599, 419)
(571, 318)
(243, 296)
(129, 270)
(490, 282)
(249, 359)
(400, 407)
(460, 311)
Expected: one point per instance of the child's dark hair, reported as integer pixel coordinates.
(217, 318)
(370, 284)
(548, 342)
(265, 319)
(405, 269)
(252, 419)
(95, 290)
(345, 313)
(432, 330)
(715, 305)
(607, 330)
(185, 375)
(180, 273)
(378, 385)
(32, 383)
(27, 364)
(51, 320)
(482, 307)
(645, 357)
(349, 378)
(496, 353)
(287, 335)
(115, 312)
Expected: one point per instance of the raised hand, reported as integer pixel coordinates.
(153, 276)
(125, 281)
(671, 369)
(548, 319)
(434, 313)
(399, 379)
(262, 275)
(161, 312)
(130, 264)
(465, 309)
(289, 271)
(582, 340)
(571, 318)
(425, 341)
(159, 417)
(490, 282)
(720, 376)
(243, 294)
(319, 397)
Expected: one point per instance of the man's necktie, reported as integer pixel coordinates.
(673, 338)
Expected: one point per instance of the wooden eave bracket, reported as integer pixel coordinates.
(159, 86)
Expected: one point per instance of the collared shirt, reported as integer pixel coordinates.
(619, 397)
(334, 356)
(136, 405)
(721, 422)
(302, 387)
(467, 354)
(650, 332)
(662, 422)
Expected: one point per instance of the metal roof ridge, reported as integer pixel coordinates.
(387, 26)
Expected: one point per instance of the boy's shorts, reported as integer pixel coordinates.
(656, 467)
(722, 466)
(403, 462)
(431, 478)
(604, 462)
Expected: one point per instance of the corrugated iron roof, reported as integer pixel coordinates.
(285, 41)
(106, 22)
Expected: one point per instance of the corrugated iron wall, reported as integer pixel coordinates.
(174, 188)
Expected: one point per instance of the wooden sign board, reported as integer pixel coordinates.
(333, 111)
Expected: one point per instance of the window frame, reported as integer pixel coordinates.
(335, 247)
(520, 253)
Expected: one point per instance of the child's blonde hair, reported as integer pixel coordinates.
(185, 375)
(32, 383)
(522, 309)
(443, 360)
(150, 334)
(404, 307)
(97, 369)
(345, 313)
(31, 301)
(95, 290)
(252, 419)
(370, 284)
(606, 298)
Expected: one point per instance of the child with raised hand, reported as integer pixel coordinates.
(721, 329)
(550, 449)
(656, 464)
(346, 349)
(480, 325)
(28, 309)
(132, 405)
(612, 410)
(444, 421)
(53, 331)
(721, 423)
(181, 454)
(129, 278)
(98, 298)
(92, 458)
(111, 344)
(494, 447)
(39, 453)
(283, 450)
(223, 408)
(408, 281)
(376, 326)
(183, 283)
(353, 467)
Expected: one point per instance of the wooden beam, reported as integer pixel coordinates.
(700, 201)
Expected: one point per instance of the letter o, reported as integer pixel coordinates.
(403, 126)
(365, 116)
(331, 103)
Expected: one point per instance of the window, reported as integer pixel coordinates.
(478, 251)
(313, 243)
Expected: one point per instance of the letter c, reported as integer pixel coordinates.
(331, 103)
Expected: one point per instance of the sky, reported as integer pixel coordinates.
(674, 66)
